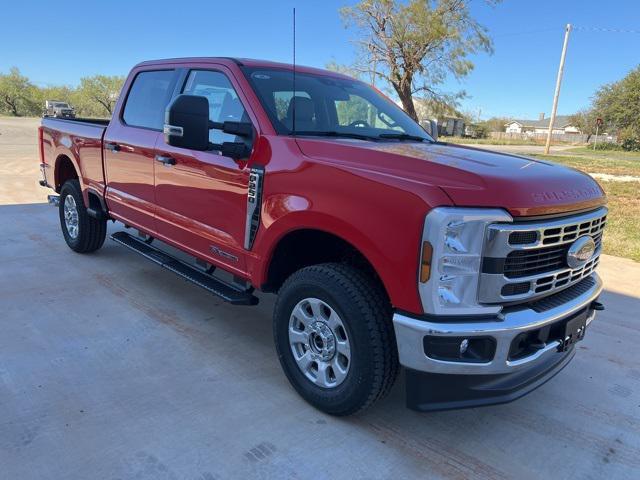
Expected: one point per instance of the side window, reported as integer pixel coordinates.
(224, 104)
(148, 98)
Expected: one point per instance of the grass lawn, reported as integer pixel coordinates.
(614, 163)
(622, 235)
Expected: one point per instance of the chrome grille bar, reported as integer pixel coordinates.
(515, 271)
(557, 231)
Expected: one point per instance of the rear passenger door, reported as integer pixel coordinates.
(129, 148)
(202, 197)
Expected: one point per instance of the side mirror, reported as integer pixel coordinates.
(240, 129)
(187, 122)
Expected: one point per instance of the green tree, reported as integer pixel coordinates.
(618, 103)
(585, 121)
(415, 45)
(495, 124)
(97, 95)
(18, 96)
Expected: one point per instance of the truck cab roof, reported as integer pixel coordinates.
(242, 62)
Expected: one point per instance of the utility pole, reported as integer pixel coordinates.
(558, 83)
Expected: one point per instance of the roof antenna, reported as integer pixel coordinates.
(293, 97)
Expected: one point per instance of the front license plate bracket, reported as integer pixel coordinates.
(573, 332)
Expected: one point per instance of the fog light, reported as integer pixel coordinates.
(460, 349)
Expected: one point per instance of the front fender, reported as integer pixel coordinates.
(386, 230)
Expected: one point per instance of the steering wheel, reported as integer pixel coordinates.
(359, 123)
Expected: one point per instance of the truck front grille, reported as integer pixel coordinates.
(524, 263)
(526, 260)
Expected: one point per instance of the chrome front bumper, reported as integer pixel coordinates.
(410, 333)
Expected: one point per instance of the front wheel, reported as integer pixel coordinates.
(82, 232)
(335, 339)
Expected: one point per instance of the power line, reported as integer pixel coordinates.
(605, 29)
(558, 29)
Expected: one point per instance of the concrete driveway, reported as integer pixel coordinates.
(112, 368)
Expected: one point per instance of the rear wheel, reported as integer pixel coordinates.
(335, 339)
(82, 232)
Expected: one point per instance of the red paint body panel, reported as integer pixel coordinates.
(129, 173)
(79, 142)
(374, 195)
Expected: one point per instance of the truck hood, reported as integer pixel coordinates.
(471, 177)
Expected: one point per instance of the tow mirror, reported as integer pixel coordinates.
(187, 122)
(240, 129)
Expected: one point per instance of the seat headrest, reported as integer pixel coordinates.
(304, 109)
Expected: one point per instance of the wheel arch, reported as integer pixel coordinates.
(305, 246)
(65, 169)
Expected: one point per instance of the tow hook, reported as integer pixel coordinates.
(53, 200)
(595, 305)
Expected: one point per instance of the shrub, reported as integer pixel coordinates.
(630, 139)
(608, 146)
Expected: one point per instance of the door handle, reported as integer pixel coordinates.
(165, 159)
(114, 147)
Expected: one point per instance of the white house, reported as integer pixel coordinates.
(561, 125)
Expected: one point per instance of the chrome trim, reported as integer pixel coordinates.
(173, 130)
(254, 205)
(497, 241)
(566, 229)
(491, 284)
(411, 331)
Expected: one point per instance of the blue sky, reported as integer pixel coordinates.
(81, 38)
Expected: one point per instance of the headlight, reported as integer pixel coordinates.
(451, 257)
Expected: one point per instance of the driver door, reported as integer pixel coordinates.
(201, 196)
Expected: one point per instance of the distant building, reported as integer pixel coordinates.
(561, 125)
(451, 126)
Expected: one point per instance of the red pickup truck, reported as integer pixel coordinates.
(474, 270)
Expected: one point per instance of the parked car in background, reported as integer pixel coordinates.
(57, 109)
(474, 270)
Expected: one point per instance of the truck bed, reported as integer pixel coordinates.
(78, 139)
(91, 121)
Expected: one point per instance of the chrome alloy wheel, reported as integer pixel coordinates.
(71, 216)
(319, 343)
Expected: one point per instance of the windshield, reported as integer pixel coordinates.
(331, 106)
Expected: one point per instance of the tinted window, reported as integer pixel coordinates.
(224, 104)
(329, 104)
(148, 99)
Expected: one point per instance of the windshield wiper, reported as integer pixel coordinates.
(403, 136)
(314, 133)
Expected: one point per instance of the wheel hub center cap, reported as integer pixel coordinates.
(322, 342)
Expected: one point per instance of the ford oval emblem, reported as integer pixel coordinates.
(580, 252)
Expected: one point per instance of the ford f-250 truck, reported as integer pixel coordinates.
(474, 270)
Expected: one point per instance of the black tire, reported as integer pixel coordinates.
(91, 231)
(367, 316)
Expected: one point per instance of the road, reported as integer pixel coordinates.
(112, 368)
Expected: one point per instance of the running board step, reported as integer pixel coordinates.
(225, 291)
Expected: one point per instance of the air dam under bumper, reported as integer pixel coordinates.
(436, 384)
